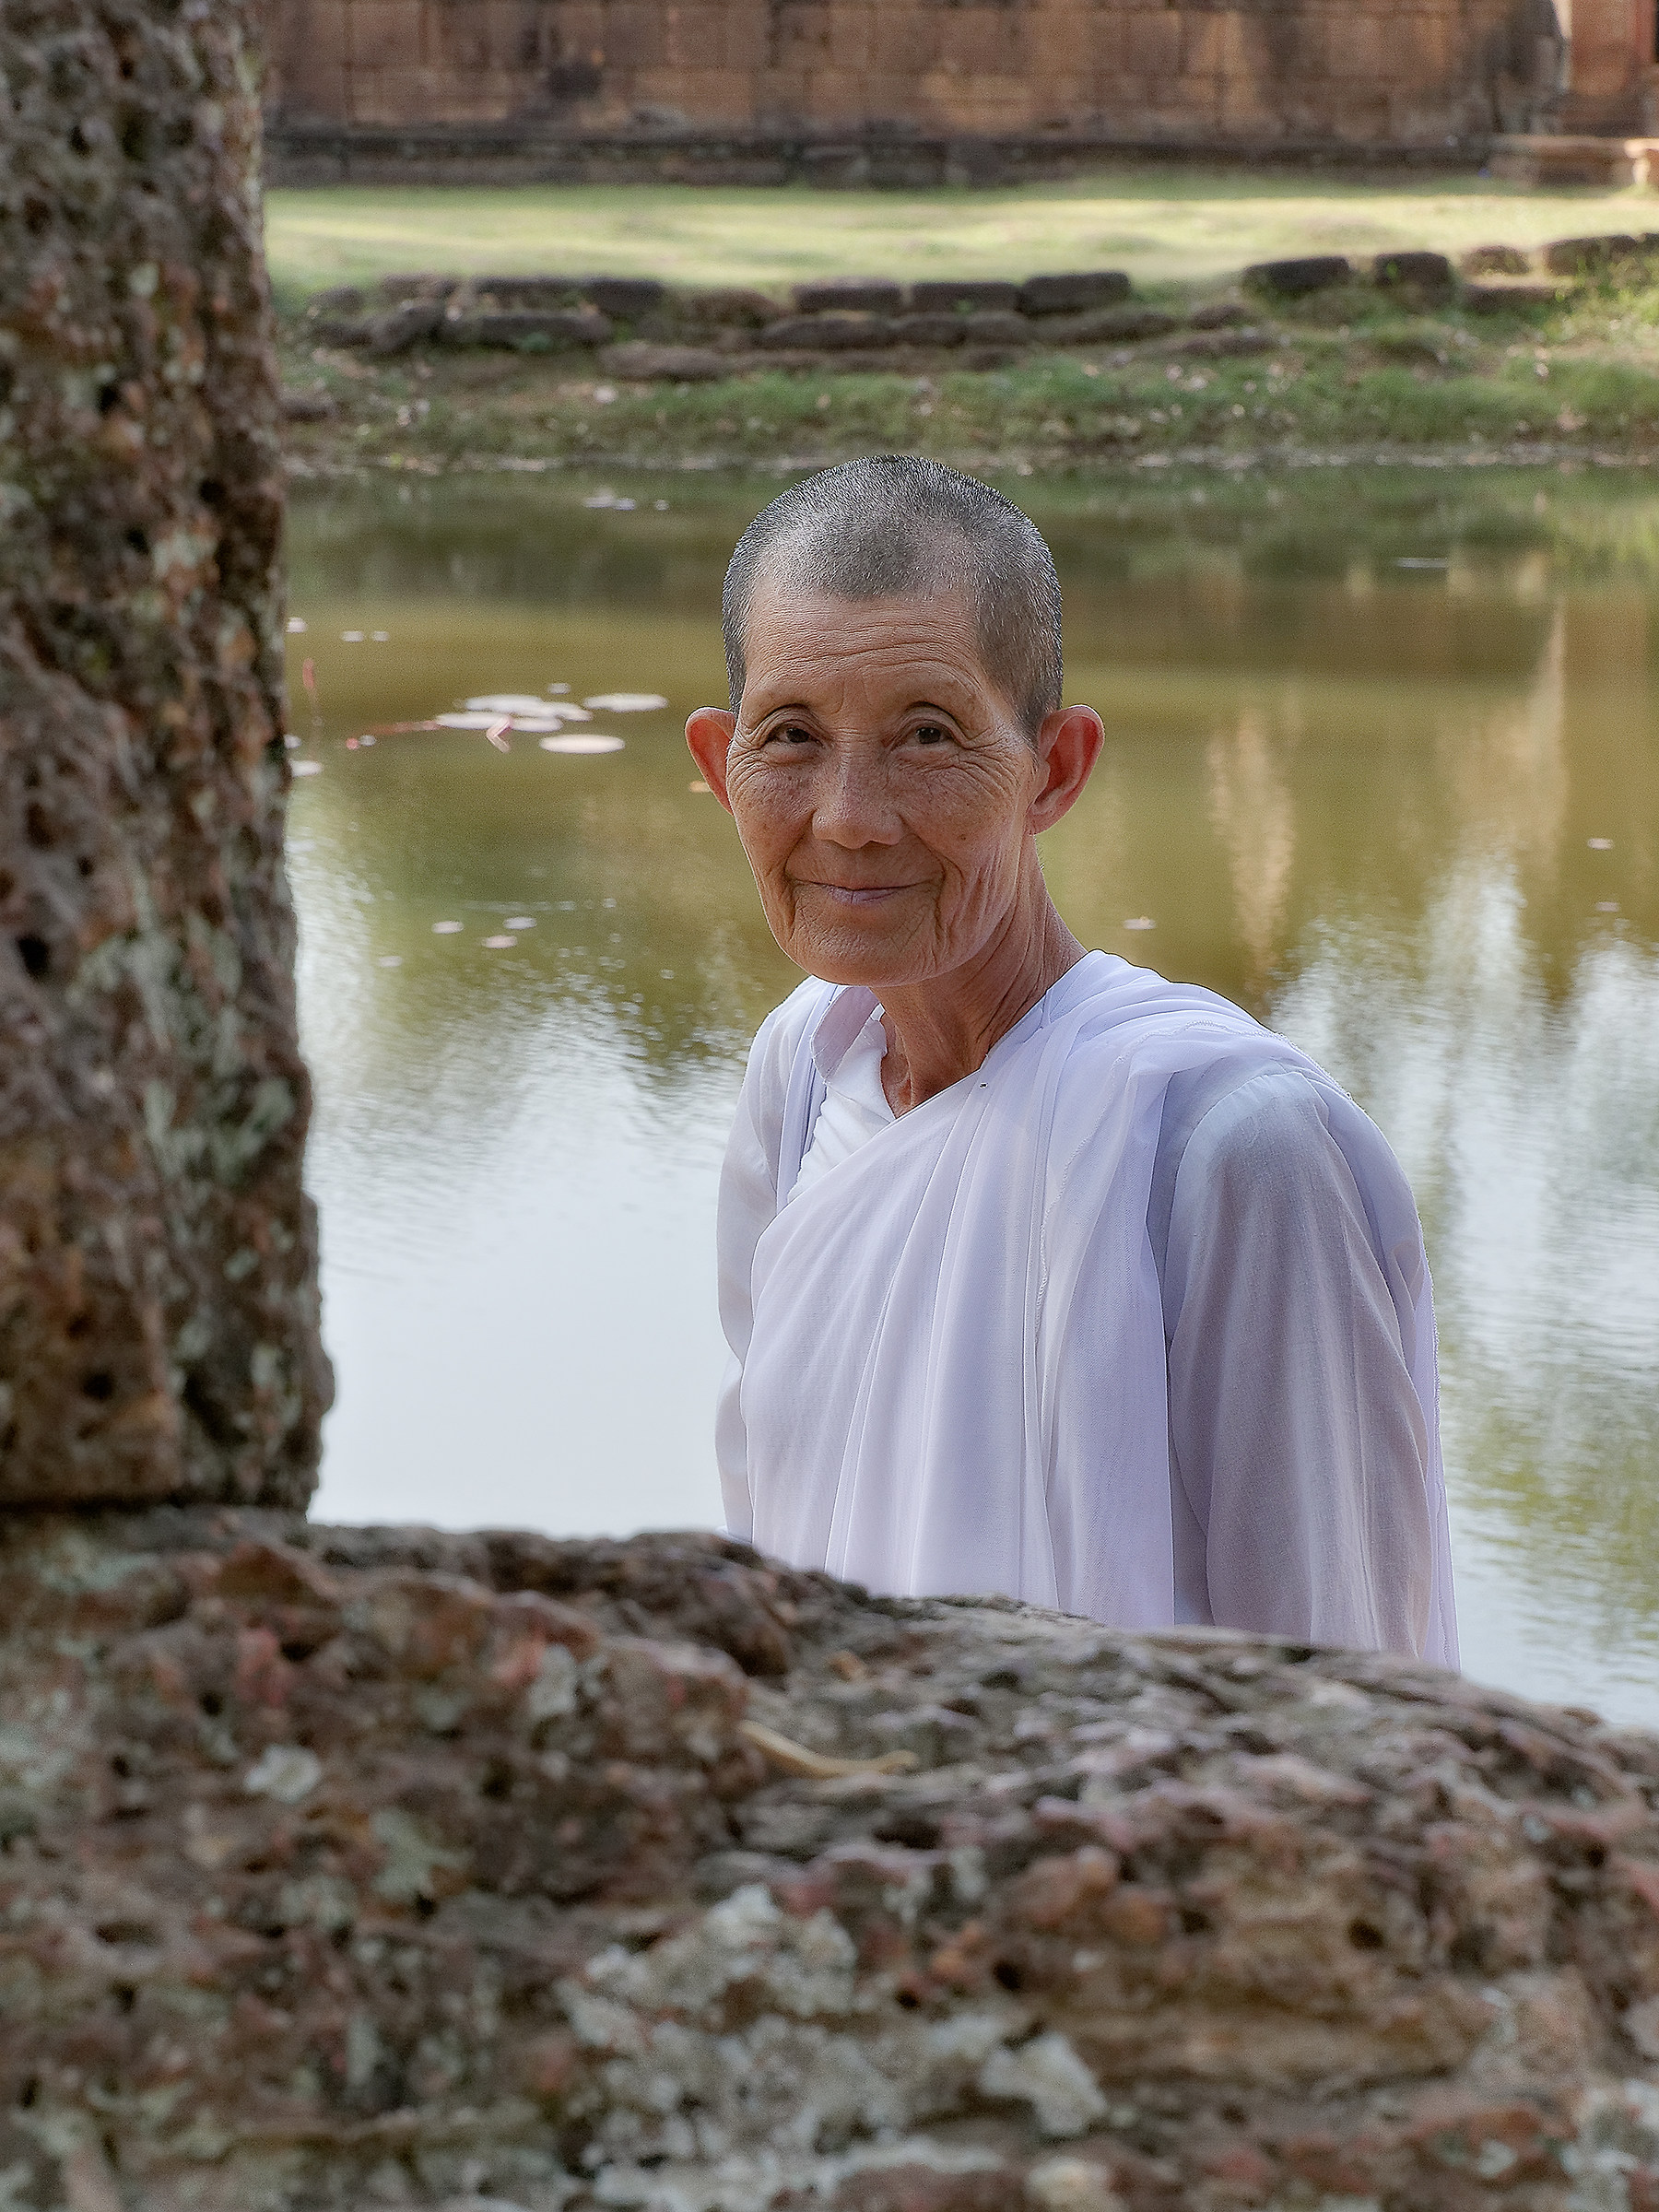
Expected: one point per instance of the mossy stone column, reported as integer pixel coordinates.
(159, 1308)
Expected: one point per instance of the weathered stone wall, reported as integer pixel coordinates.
(1612, 71)
(158, 1286)
(1422, 73)
(345, 1868)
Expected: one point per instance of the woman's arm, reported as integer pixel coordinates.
(1297, 1434)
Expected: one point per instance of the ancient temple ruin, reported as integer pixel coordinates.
(916, 91)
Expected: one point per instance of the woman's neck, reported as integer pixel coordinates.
(941, 1031)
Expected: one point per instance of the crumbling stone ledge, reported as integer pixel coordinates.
(347, 1868)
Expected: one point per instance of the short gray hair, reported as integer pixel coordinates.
(895, 525)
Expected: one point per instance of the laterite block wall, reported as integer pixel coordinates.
(1416, 73)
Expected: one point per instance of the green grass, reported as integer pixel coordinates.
(1171, 226)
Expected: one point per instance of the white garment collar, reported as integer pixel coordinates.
(843, 1019)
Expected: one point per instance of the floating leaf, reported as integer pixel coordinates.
(314, 767)
(447, 929)
(478, 718)
(351, 637)
(508, 702)
(627, 702)
(296, 626)
(589, 741)
(520, 922)
(1140, 922)
(1600, 844)
(698, 788)
(390, 959)
(498, 944)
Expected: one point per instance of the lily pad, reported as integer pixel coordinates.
(588, 741)
(627, 702)
(509, 702)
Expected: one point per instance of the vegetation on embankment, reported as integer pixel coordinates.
(1346, 374)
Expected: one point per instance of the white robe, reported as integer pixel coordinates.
(1134, 1320)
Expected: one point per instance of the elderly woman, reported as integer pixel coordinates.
(1042, 1276)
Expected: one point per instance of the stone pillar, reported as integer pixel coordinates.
(159, 1310)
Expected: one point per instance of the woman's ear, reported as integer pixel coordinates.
(709, 734)
(1068, 744)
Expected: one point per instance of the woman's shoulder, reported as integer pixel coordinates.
(780, 1039)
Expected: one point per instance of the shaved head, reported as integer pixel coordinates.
(897, 526)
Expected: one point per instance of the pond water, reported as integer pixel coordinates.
(1382, 765)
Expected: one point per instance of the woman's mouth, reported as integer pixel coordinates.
(868, 894)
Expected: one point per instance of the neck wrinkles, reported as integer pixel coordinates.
(941, 1031)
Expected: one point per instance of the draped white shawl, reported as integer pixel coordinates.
(953, 1361)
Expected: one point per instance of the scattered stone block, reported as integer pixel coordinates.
(344, 330)
(626, 297)
(1497, 298)
(309, 406)
(520, 294)
(1426, 275)
(827, 333)
(640, 362)
(855, 295)
(1297, 278)
(1495, 261)
(946, 329)
(963, 296)
(557, 330)
(727, 307)
(997, 326)
(1220, 314)
(1073, 293)
(1588, 257)
(1109, 326)
(338, 300)
(406, 324)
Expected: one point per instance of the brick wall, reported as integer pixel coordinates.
(1366, 73)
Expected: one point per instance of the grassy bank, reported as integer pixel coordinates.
(1345, 376)
(1174, 225)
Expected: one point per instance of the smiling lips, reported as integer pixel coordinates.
(849, 894)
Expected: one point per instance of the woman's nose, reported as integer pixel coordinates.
(854, 800)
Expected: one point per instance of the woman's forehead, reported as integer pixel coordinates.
(797, 637)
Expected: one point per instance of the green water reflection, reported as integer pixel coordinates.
(1382, 765)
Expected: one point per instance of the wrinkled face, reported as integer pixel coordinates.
(882, 785)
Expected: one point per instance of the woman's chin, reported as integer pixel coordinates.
(850, 956)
